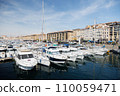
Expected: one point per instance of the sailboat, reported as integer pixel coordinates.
(96, 49)
(42, 57)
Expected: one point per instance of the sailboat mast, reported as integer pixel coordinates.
(94, 30)
(42, 17)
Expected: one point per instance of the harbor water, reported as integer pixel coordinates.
(90, 68)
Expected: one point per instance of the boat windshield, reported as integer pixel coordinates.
(73, 50)
(24, 56)
(83, 48)
(30, 55)
(65, 51)
(27, 56)
(10, 46)
(54, 53)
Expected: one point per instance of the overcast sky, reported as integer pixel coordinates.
(24, 17)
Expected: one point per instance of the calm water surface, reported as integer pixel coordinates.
(93, 68)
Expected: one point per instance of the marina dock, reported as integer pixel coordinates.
(7, 58)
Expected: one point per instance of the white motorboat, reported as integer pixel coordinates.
(24, 59)
(85, 51)
(80, 55)
(71, 56)
(5, 54)
(55, 56)
(43, 60)
(42, 57)
(11, 50)
(99, 50)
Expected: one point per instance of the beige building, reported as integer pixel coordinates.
(32, 37)
(104, 31)
(4, 37)
(87, 33)
(114, 29)
(109, 31)
(79, 33)
(63, 36)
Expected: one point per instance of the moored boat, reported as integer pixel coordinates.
(55, 56)
(25, 60)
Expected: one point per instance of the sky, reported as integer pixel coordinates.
(24, 17)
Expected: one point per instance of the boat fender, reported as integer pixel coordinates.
(40, 60)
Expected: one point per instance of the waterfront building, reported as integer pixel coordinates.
(119, 35)
(87, 33)
(32, 37)
(114, 29)
(4, 37)
(1, 38)
(79, 33)
(103, 32)
(60, 36)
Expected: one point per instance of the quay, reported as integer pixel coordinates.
(5, 59)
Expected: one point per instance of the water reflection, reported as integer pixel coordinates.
(38, 71)
(114, 60)
(90, 68)
(23, 74)
(71, 64)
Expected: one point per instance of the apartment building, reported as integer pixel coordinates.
(114, 29)
(103, 32)
(4, 37)
(33, 37)
(63, 36)
(78, 33)
(87, 33)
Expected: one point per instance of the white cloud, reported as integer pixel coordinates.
(25, 21)
(110, 4)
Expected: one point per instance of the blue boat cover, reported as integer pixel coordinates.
(110, 41)
(66, 45)
(103, 46)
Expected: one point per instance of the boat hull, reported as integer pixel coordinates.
(44, 61)
(71, 58)
(55, 60)
(80, 57)
(26, 65)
